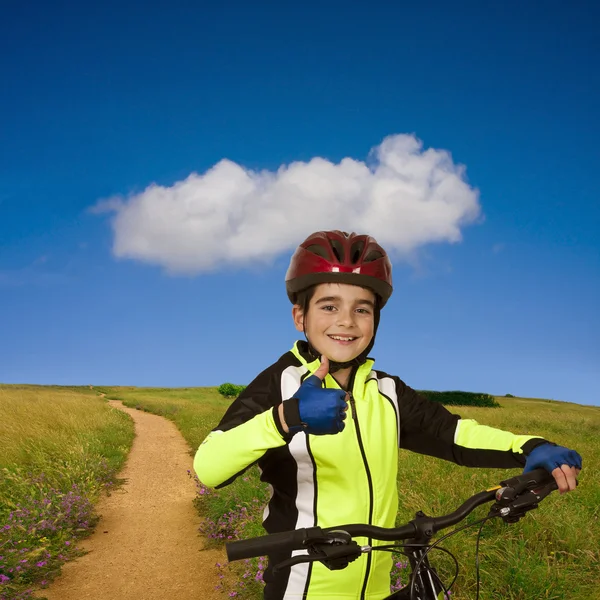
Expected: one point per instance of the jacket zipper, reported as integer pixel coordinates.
(369, 479)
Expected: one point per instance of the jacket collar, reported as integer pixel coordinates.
(300, 351)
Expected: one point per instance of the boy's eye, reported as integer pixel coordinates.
(331, 307)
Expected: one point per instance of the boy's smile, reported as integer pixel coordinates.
(340, 320)
(342, 339)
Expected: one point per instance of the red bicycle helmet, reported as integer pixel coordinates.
(340, 257)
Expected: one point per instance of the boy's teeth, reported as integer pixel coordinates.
(343, 339)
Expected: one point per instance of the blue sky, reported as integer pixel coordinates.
(102, 101)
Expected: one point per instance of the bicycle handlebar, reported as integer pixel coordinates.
(518, 493)
(286, 541)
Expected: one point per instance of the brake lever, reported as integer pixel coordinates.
(295, 560)
(334, 551)
(512, 504)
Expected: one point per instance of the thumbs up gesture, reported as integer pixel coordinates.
(315, 409)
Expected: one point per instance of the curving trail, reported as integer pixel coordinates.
(146, 545)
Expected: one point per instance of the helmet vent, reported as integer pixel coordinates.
(372, 256)
(318, 250)
(338, 250)
(356, 252)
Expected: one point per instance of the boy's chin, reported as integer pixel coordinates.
(340, 357)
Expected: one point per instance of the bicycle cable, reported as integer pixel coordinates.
(434, 545)
(477, 557)
(413, 579)
(393, 548)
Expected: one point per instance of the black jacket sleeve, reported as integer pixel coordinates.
(428, 427)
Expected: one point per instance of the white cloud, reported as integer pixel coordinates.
(404, 196)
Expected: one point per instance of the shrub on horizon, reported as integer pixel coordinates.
(461, 398)
(230, 389)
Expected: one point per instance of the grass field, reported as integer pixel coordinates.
(57, 438)
(61, 448)
(552, 554)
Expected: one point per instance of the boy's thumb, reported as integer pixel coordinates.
(323, 368)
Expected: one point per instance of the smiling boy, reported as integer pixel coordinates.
(341, 323)
(324, 426)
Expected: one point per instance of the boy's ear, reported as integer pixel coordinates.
(298, 316)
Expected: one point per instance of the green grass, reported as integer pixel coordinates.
(553, 553)
(61, 449)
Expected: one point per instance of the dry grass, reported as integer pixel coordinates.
(38, 423)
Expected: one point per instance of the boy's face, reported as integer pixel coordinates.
(338, 310)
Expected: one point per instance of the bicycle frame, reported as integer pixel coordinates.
(425, 587)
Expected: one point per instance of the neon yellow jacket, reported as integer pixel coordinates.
(349, 477)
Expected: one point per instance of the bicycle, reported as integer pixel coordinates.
(335, 548)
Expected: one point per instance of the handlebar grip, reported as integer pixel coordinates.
(286, 541)
(535, 477)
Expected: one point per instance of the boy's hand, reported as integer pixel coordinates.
(562, 463)
(314, 409)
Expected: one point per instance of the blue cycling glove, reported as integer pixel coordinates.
(551, 457)
(315, 410)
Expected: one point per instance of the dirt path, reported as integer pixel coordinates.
(146, 545)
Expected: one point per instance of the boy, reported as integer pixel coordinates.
(324, 426)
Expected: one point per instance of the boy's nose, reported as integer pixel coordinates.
(345, 318)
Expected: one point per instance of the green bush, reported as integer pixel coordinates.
(230, 389)
(461, 398)
(509, 396)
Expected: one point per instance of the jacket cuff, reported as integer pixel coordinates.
(530, 445)
(286, 436)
